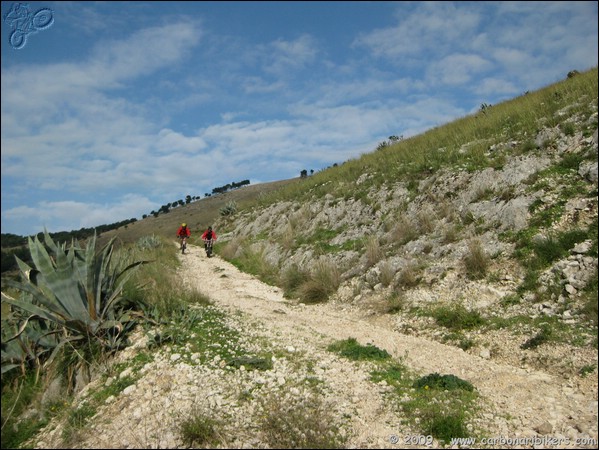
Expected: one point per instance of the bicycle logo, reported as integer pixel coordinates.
(26, 22)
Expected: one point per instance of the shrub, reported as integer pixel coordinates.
(476, 261)
(408, 277)
(443, 382)
(324, 280)
(229, 209)
(352, 350)
(446, 427)
(457, 317)
(148, 242)
(306, 423)
(544, 335)
(199, 430)
(374, 252)
(387, 273)
(292, 278)
(404, 231)
(395, 302)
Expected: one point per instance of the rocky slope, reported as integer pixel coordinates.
(421, 240)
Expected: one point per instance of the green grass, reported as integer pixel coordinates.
(455, 317)
(442, 382)
(543, 336)
(299, 423)
(200, 430)
(407, 159)
(539, 330)
(253, 261)
(436, 405)
(251, 362)
(18, 394)
(351, 349)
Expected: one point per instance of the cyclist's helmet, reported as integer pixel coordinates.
(183, 224)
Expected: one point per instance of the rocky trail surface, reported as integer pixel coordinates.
(535, 402)
(521, 407)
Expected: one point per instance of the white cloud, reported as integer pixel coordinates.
(457, 69)
(285, 56)
(499, 86)
(171, 141)
(258, 85)
(143, 52)
(58, 216)
(428, 29)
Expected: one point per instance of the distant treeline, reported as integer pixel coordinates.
(14, 245)
(188, 199)
(226, 187)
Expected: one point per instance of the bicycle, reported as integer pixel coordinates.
(183, 243)
(208, 247)
(25, 22)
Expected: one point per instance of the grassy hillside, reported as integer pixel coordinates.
(198, 215)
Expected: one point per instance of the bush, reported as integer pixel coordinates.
(457, 317)
(306, 423)
(148, 242)
(352, 350)
(443, 382)
(324, 280)
(476, 261)
(229, 209)
(199, 430)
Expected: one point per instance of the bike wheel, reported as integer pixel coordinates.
(43, 19)
(18, 39)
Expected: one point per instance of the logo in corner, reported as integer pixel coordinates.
(25, 22)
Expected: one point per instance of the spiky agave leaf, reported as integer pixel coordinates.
(76, 289)
(25, 339)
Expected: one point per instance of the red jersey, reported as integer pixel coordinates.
(183, 231)
(209, 235)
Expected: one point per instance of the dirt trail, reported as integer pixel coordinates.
(523, 403)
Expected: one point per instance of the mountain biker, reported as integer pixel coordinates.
(183, 233)
(209, 235)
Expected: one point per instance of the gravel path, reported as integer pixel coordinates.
(524, 403)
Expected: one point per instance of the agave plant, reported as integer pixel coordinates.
(25, 341)
(78, 291)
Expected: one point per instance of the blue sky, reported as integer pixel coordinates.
(117, 108)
